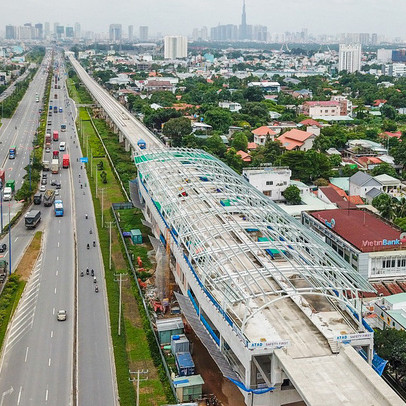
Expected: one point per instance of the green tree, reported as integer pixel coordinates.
(384, 168)
(384, 204)
(233, 160)
(388, 112)
(163, 98)
(215, 146)
(335, 160)
(257, 113)
(176, 128)
(253, 94)
(220, 119)
(240, 141)
(292, 195)
(390, 344)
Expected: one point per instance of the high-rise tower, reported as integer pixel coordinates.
(243, 26)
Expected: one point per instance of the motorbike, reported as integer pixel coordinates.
(88, 246)
(92, 272)
(94, 243)
(81, 273)
(90, 232)
(94, 279)
(96, 289)
(86, 216)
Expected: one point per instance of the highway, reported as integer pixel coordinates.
(10, 89)
(127, 124)
(25, 119)
(37, 359)
(96, 371)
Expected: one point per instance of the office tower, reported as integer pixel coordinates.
(374, 39)
(47, 30)
(130, 32)
(60, 31)
(11, 32)
(78, 33)
(144, 33)
(349, 58)
(39, 28)
(243, 27)
(56, 28)
(260, 33)
(204, 33)
(364, 38)
(69, 33)
(115, 32)
(227, 32)
(175, 47)
(24, 32)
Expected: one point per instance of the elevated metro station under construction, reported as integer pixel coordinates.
(277, 308)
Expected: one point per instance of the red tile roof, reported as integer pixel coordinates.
(244, 156)
(331, 103)
(355, 199)
(368, 160)
(396, 134)
(362, 229)
(377, 102)
(310, 121)
(294, 138)
(264, 130)
(252, 145)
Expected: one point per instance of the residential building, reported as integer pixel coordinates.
(263, 134)
(158, 85)
(361, 183)
(69, 32)
(271, 181)
(39, 31)
(321, 108)
(175, 47)
(115, 32)
(143, 33)
(227, 32)
(375, 248)
(297, 140)
(391, 311)
(349, 58)
(399, 55)
(232, 106)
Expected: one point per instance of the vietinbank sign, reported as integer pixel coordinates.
(383, 243)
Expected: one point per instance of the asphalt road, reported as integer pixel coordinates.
(37, 359)
(96, 372)
(19, 131)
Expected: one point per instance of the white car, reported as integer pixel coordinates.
(61, 315)
(42, 188)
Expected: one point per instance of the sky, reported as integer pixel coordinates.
(181, 16)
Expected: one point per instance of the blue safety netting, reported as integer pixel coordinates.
(378, 363)
(245, 389)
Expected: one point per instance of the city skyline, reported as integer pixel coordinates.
(182, 16)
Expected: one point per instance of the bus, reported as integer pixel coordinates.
(58, 206)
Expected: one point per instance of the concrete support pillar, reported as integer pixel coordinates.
(120, 136)
(127, 145)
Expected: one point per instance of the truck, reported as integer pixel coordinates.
(49, 197)
(46, 165)
(12, 184)
(65, 161)
(48, 141)
(58, 207)
(12, 152)
(63, 127)
(7, 194)
(55, 135)
(142, 144)
(32, 218)
(55, 166)
(38, 198)
(55, 154)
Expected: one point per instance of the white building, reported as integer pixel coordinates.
(271, 181)
(384, 55)
(175, 47)
(391, 311)
(232, 106)
(349, 58)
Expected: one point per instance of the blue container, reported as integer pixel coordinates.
(184, 364)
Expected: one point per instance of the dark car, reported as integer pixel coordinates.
(53, 182)
(57, 184)
(3, 247)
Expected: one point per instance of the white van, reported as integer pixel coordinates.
(62, 146)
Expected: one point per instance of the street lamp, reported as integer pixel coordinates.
(9, 238)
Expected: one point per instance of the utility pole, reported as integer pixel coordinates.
(110, 223)
(120, 280)
(138, 373)
(9, 239)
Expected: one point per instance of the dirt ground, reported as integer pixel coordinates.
(214, 382)
(29, 258)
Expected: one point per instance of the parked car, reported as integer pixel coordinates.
(42, 188)
(3, 247)
(58, 184)
(44, 181)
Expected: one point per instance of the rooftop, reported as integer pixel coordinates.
(364, 230)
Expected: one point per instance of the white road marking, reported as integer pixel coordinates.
(49, 362)
(16, 239)
(46, 395)
(55, 291)
(57, 258)
(19, 395)
(53, 311)
(56, 273)
(58, 244)
(26, 354)
(52, 333)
